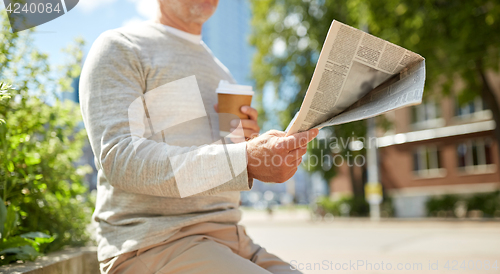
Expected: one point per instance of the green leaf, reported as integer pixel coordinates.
(10, 221)
(34, 235)
(16, 241)
(10, 166)
(40, 240)
(32, 159)
(25, 252)
(3, 216)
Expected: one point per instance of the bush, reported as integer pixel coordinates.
(41, 138)
(442, 206)
(462, 205)
(488, 203)
(26, 246)
(39, 145)
(352, 206)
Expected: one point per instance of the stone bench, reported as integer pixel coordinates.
(81, 260)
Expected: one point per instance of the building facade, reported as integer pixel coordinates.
(226, 34)
(437, 148)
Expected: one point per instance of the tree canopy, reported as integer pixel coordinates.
(459, 39)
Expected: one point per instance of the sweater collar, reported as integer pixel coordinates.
(193, 38)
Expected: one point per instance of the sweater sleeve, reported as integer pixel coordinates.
(111, 80)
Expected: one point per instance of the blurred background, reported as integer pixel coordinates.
(436, 165)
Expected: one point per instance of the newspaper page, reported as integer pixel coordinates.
(407, 89)
(352, 64)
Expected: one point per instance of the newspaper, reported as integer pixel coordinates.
(358, 76)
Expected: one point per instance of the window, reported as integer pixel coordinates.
(427, 161)
(474, 107)
(426, 115)
(475, 155)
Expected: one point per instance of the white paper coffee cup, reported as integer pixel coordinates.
(231, 98)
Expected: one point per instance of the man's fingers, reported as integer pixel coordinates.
(275, 133)
(216, 108)
(250, 111)
(296, 154)
(297, 162)
(292, 172)
(300, 139)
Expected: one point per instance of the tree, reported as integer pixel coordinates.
(40, 140)
(288, 36)
(4, 94)
(459, 40)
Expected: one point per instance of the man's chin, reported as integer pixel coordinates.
(202, 12)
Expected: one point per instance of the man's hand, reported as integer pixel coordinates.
(250, 127)
(272, 157)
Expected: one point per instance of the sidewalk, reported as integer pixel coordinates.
(361, 246)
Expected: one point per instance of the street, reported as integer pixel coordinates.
(361, 246)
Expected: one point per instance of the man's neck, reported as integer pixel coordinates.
(166, 19)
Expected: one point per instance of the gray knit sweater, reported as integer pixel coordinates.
(138, 200)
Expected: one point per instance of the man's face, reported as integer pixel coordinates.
(190, 11)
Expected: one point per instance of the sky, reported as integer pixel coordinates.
(88, 19)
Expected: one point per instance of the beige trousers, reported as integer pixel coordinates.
(207, 248)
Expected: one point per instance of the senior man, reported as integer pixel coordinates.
(144, 226)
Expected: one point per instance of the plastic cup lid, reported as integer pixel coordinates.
(228, 88)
